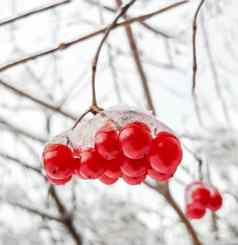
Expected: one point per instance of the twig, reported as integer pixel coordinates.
(138, 63)
(66, 45)
(194, 40)
(145, 25)
(34, 11)
(37, 100)
(121, 12)
(21, 131)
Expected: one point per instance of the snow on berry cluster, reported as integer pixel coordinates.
(114, 144)
(199, 197)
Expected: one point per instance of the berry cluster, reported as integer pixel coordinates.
(200, 197)
(130, 152)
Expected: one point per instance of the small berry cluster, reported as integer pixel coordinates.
(130, 152)
(200, 197)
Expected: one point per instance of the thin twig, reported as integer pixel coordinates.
(34, 11)
(145, 25)
(66, 45)
(194, 40)
(36, 100)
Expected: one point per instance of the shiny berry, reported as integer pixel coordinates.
(58, 161)
(166, 152)
(58, 181)
(193, 212)
(107, 180)
(135, 139)
(158, 176)
(216, 200)
(113, 167)
(92, 165)
(200, 196)
(134, 168)
(133, 181)
(107, 143)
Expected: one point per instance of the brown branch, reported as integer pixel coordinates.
(34, 11)
(138, 63)
(32, 210)
(145, 25)
(121, 12)
(36, 100)
(163, 189)
(66, 45)
(67, 219)
(21, 163)
(21, 131)
(194, 41)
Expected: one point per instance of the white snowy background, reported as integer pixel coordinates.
(119, 214)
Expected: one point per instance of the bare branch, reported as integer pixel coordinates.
(33, 12)
(66, 45)
(36, 100)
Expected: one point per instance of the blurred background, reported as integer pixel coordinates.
(43, 96)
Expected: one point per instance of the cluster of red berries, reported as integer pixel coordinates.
(130, 152)
(200, 197)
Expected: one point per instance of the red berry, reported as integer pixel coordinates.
(216, 200)
(58, 181)
(58, 161)
(92, 165)
(113, 167)
(158, 176)
(134, 168)
(200, 196)
(193, 212)
(133, 181)
(135, 139)
(107, 143)
(107, 180)
(166, 152)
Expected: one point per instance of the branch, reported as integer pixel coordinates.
(21, 163)
(36, 100)
(21, 131)
(34, 11)
(66, 45)
(138, 63)
(163, 189)
(32, 210)
(67, 219)
(145, 25)
(194, 40)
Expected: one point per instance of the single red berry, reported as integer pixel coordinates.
(133, 181)
(113, 167)
(200, 196)
(134, 168)
(166, 152)
(193, 212)
(92, 165)
(107, 143)
(58, 181)
(158, 176)
(58, 161)
(135, 139)
(107, 180)
(216, 200)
